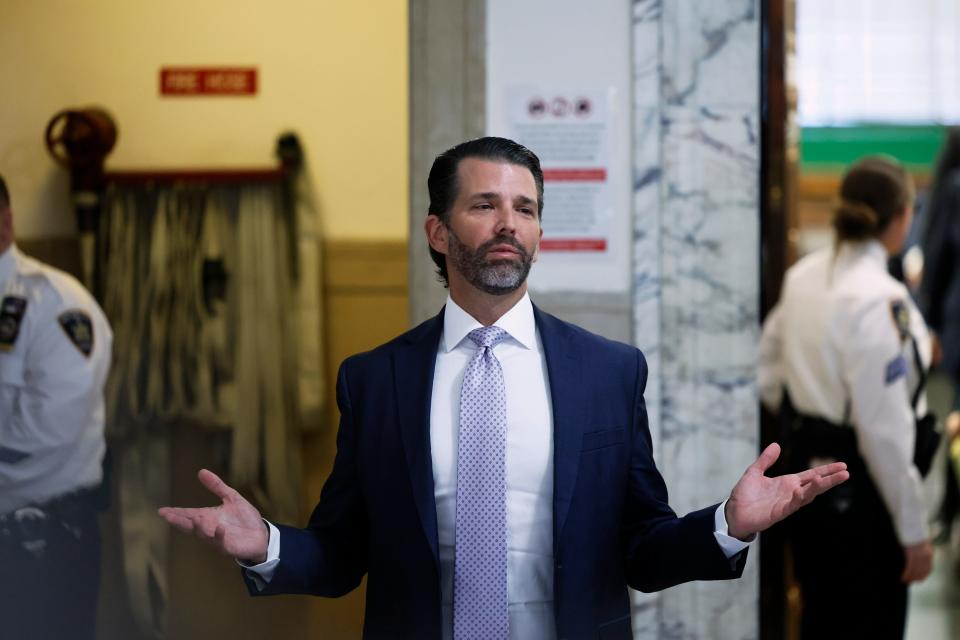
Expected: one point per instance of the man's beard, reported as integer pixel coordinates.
(496, 277)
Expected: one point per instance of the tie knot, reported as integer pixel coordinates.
(487, 336)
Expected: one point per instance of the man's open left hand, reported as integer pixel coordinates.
(758, 502)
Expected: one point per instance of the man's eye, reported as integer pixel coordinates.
(484, 205)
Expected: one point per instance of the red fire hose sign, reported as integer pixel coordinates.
(222, 81)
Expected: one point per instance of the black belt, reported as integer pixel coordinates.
(62, 506)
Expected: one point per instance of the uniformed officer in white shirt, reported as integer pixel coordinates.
(54, 357)
(844, 343)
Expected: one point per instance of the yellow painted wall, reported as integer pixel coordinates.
(333, 71)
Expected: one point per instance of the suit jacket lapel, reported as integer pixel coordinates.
(565, 370)
(414, 364)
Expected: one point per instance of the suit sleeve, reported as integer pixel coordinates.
(328, 557)
(662, 550)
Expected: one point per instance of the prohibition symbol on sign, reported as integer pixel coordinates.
(537, 108)
(582, 107)
(559, 107)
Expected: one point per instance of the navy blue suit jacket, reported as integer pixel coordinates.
(612, 524)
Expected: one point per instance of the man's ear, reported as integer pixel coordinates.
(437, 234)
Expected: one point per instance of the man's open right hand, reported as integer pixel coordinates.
(235, 527)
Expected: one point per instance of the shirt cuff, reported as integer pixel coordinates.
(728, 544)
(261, 574)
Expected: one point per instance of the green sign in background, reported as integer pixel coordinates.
(832, 149)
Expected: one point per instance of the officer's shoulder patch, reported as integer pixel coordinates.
(12, 309)
(901, 318)
(895, 368)
(79, 328)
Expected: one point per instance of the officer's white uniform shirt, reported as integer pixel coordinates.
(51, 394)
(833, 342)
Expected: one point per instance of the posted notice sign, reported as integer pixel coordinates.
(207, 81)
(569, 130)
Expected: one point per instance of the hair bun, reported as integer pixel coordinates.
(855, 220)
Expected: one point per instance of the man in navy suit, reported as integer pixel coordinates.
(582, 510)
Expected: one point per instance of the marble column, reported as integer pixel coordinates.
(696, 275)
(447, 97)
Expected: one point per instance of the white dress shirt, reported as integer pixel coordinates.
(529, 469)
(834, 343)
(51, 393)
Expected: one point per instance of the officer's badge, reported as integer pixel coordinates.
(901, 318)
(11, 316)
(79, 329)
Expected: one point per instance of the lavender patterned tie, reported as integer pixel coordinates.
(480, 567)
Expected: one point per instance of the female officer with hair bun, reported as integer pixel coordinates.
(842, 357)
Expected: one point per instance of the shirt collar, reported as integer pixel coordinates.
(871, 249)
(8, 261)
(518, 322)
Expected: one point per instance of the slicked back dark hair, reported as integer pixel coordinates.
(443, 186)
(4, 193)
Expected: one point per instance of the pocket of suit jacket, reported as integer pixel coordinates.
(593, 440)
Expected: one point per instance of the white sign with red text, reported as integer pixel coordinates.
(569, 131)
(582, 140)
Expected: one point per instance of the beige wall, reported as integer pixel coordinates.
(335, 72)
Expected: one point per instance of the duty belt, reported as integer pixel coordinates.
(23, 522)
